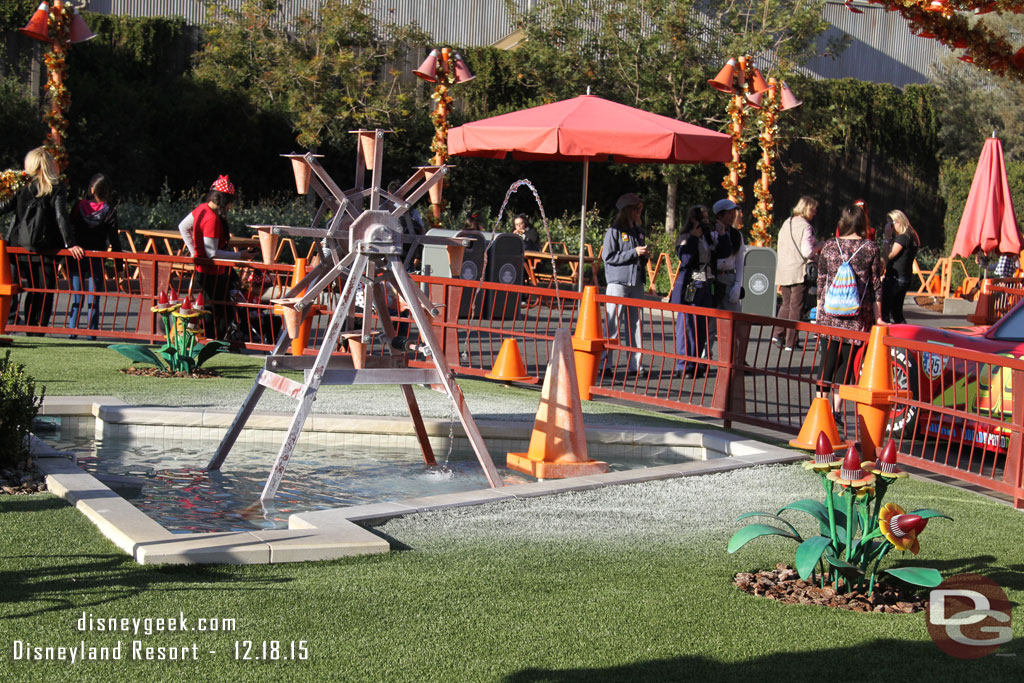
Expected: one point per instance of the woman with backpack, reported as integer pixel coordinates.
(41, 226)
(849, 290)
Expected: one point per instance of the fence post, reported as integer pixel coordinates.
(1013, 471)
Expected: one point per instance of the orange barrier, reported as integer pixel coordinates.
(587, 341)
(873, 393)
(985, 311)
(558, 445)
(509, 366)
(819, 422)
(8, 288)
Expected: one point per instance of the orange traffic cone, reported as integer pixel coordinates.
(508, 367)
(303, 326)
(8, 288)
(873, 393)
(558, 445)
(985, 310)
(819, 420)
(268, 244)
(587, 342)
(292, 316)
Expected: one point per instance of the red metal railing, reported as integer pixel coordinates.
(741, 377)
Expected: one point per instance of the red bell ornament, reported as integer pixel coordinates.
(38, 27)
(80, 31)
(428, 69)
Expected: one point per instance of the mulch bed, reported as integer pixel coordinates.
(786, 586)
(200, 373)
(22, 479)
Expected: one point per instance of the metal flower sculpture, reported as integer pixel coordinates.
(180, 352)
(851, 543)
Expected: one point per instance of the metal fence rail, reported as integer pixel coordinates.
(967, 407)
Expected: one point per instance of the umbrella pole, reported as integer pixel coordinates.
(583, 218)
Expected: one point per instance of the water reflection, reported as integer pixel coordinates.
(183, 497)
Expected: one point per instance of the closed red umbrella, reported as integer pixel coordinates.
(588, 128)
(988, 224)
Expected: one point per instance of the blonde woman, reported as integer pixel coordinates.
(899, 265)
(796, 249)
(42, 227)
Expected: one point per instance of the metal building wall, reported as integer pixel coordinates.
(882, 49)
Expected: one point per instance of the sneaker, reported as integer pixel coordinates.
(777, 341)
(788, 348)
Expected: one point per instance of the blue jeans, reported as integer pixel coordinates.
(90, 270)
(691, 330)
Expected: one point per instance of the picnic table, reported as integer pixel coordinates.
(559, 252)
(174, 245)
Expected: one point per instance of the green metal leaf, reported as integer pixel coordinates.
(752, 531)
(811, 507)
(918, 576)
(747, 515)
(808, 554)
(206, 351)
(844, 567)
(138, 354)
(928, 513)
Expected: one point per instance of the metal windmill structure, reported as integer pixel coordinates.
(361, 248)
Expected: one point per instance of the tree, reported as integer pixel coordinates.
(658, 54)
(329, 71)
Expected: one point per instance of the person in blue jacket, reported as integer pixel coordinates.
(625, 267)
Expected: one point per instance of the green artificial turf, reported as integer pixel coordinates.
(507, 592)
(81, 368)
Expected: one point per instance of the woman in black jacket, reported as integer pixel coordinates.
(41, 226)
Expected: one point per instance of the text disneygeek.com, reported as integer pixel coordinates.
(137, 649)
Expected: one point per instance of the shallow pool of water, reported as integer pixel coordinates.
(184, 497)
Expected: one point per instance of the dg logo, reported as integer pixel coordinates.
(969, 616)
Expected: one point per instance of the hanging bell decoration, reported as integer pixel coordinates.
(462, 72)
(787, 99)
(724, 80)
(428, 69)
(38, 27)
(757, 82)
(80, 31)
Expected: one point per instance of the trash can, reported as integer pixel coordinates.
(759, 281)
(437, 264)
(504, 267)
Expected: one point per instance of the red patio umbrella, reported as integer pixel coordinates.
(588, 128)
(988, 224)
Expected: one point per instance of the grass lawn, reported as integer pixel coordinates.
(83, 368)
(629, 582)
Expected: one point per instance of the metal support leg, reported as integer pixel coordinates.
(408, 290)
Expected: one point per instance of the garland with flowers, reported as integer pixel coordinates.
(737, 167)
(439, 145)
(60, 98)
(947, 22)
(763, 210)
(10, 182)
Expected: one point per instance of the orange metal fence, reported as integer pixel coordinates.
(695, 360)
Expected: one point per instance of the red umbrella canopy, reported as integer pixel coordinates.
(988, 224)
(589, 128)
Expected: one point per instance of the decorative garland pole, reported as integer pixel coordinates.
(444, 68)
(763, 210)
(737, 113)
(56, 69)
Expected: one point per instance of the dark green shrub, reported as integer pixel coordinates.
(18, 408)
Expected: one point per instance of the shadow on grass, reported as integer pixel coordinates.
(64, 581)
(888, 659)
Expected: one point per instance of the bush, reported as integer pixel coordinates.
(19, 406)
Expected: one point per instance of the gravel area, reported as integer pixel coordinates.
(667, 512)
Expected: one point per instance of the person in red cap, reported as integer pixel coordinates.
(211, 238)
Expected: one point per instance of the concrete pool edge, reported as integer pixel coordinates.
(340, 532)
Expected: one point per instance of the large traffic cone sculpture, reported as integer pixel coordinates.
(298, 325)
(985, 309)
(8, 288)
(587, 342)
(819, 421)
(509, 365)
(873, 393)
(558, 445)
